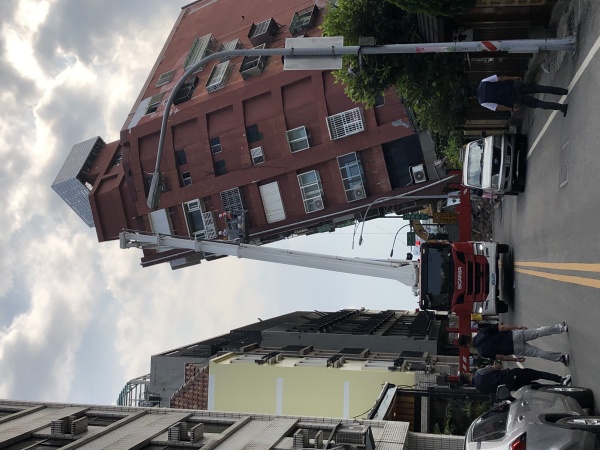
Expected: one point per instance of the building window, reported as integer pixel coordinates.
(219, 76)
(202, 47)
(298, 139)
(345, 123)
(220, 168)
(303, 20)
(252, 134)
(186, 92)
(257, 155)
(312, 191)
(263, 32)
(154, 103)
(165, 78)
(215, 145)
(186, 179)
(193, 218)
(353, 176)
(229, 45)
(253, 65)
(180, 158)
(232, 200)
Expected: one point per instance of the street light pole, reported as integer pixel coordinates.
(396, 235)
(513, 46)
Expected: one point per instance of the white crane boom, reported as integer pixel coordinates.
(404, 271)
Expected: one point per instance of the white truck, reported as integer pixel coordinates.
(496, 164)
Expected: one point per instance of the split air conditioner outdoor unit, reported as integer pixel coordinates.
(418, 174)
(359, 193)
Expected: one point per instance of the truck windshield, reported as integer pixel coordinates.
(436, 277)
(475, 163)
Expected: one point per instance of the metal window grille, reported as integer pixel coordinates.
(353, 176)
(218, 76)
(303, 20)
(202, 47)
(154, 102)
(257, 155)
(253, 65)
(232, 200)
(230, 45)
(209, 225)
(298, 139)
(345, 123)
(311, 190)
(165, 78)
(259, 28)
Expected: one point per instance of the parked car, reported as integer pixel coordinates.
(495, 165)
(543, 417)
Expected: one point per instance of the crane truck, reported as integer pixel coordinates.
(458, 277)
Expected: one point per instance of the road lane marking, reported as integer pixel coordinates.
(582, 281)
(578, 74)
(580, 267)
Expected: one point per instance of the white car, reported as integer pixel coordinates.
(496, 164)
(545, 418)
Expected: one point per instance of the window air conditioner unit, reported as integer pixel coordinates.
(418, 174)
(353, 435)
(359, 193)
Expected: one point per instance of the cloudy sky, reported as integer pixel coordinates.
(79, 318)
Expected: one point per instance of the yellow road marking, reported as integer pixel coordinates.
(590, 282)
(582, 267)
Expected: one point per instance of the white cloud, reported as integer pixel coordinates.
(78, 318)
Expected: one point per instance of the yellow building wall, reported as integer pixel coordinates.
(311, 391)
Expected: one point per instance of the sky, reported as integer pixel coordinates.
(79, 318)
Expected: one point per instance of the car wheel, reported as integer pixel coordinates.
(584, 396)
(503, 248)
(584, 423)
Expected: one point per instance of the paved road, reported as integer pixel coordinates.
(554, 227)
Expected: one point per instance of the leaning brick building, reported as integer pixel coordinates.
(273, 152)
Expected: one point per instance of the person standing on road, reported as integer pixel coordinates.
(487, 380)
(507, 93)
(499, 342)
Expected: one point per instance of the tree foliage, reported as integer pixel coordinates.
(433, 85)
(365, 81)
(435, 7)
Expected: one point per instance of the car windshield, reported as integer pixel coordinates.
(475, 163)
(492, 425)
(436, 267)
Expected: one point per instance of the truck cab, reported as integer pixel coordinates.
(496, 164)
(462, 277)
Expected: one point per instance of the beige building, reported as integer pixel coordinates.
(272, 384)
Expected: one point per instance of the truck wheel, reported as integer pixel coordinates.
(503, 248)
(584, 396)
(583, 423)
